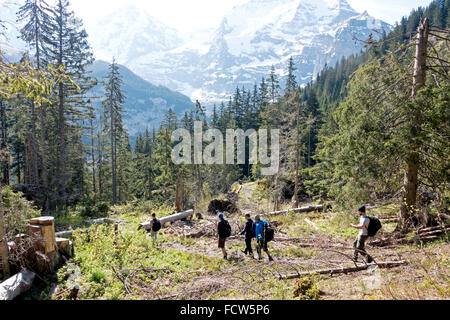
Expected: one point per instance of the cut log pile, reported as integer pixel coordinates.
(390, 264)
(424, 234)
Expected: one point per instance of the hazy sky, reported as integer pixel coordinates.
(191, 15)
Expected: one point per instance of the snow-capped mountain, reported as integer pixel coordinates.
(250, 39)
(254, 36)
(129, 33)
(11, 40)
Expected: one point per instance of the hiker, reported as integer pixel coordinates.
(155, 226)
(249, 232)
(224, 231)
(260, 232)
(359, 244)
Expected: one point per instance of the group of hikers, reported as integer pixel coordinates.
(263, 233)
(258, 229)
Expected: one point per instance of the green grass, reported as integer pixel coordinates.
(99, 253)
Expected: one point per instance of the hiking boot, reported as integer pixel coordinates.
(244, 252)
(369, 259)
(270, 259)
(225, 257)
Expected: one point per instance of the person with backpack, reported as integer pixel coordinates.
(249, 232)
(155, 226)
(224, 231)
(261, 237)
(363, 226)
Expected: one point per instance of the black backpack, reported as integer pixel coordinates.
(156, 225)
(374, 226)
(269, 234)
(226, 229)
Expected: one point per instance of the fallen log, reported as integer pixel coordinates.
(69, 233)
(434, 228)
(389, 219)
(433, 232)
(318, 208)
(102, 220)
(424, 236)
(172, 218)
(16, 285)
(299, 243)
(390, 264)
(312, 224)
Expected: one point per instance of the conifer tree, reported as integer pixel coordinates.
(71, 50)
(112, 111)
(291, 82)
(274, 85)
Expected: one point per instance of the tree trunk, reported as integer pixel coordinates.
(410, 181)
(94, 185)
(31, 161)
(113, 157)
(16, 285)
(44, 173)
(297, 159)
(3, 243)
(34, 156)
(100, 163)
(295, 210)
(150, 174)
(390, 264)
(276, 202)
(200, 182)
(172, 218)
(179, 193)
(4, 144)
(43, 116)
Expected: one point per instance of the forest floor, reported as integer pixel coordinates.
(186, 263)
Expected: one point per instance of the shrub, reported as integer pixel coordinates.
(98, 276)
(99, 210)
(17, 211)
(306, 289)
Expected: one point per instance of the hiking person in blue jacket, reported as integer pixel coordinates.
(261, 243)
(224, 231)
(359, 244)
(249, 232)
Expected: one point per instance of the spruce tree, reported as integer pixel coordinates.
(291, 82)
(274, 85)
(71, 51)
(112, 113)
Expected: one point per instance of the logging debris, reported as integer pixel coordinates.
(390, 264)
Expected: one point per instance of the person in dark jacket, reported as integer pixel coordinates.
(359, 244)
(221, 230)
(249, 234)
(261, 243)
(153, 233)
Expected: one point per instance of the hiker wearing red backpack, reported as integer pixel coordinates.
(363, 226)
